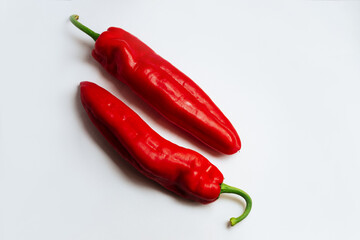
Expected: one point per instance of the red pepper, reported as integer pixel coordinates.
(180, 170)
(162, 86)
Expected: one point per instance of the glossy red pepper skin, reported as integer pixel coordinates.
(180, 170)
(165, 88)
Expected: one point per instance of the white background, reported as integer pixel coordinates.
(286, 73)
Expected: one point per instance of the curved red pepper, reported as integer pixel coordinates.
(180, 170)
(164, 87)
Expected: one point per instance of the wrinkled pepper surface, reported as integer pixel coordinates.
(180, 170)
(162, 86)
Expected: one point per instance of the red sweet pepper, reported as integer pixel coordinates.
(162, 86)
(180, 170)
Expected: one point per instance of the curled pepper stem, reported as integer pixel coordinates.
(229, 189)
(74, 19)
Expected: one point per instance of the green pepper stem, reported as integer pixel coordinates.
(228, 189)
(74, 19)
